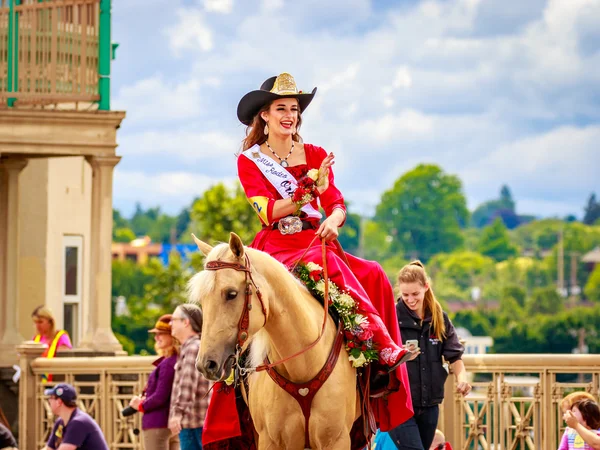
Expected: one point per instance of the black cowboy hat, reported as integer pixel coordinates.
(282, 86)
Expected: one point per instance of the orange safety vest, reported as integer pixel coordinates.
(50, 351)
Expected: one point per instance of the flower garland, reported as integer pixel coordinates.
(359, 337)
(307, 190)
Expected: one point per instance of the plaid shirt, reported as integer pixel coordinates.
(188, 400)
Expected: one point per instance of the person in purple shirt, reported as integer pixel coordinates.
(74, 429)
(156, 398)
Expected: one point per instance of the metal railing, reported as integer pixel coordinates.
(52, 51)
(515, 403)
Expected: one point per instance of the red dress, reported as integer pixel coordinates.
(364, 280)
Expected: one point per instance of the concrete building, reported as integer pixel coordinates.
(57, 155)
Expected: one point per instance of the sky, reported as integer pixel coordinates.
(493, 91)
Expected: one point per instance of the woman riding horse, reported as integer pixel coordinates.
(275, 169)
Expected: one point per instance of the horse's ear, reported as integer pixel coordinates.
(203, 246)
(236, 245)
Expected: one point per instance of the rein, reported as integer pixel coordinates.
(244, 322)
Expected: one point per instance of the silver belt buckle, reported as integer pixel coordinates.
(290, 225)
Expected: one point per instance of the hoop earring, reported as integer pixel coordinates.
(266, 130)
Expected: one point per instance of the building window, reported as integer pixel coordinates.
(72, 286)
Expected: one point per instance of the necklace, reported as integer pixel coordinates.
(283, 162)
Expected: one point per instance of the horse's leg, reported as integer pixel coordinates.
(343, 443)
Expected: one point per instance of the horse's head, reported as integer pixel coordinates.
(220, 290)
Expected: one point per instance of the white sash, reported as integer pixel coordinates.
(279, 177)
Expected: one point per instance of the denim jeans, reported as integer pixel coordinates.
(190, 439)
(417, 432)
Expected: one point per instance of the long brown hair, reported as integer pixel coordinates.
(415, 273)
(255, 132)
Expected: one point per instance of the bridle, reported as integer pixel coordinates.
(244, 322)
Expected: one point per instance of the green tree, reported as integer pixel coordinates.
(504, 207)
(182, 222)
(424, 212)
(221, 210)
(578, 239)
(515, 292)
(592, 211)
(495, 242)
(152, 222)
(377, 243)
(123, 235)
(129, 279)
(118, 220)
(466, 269)
(156, 292)
(350, 233)
(473, 320)
(592, 287)
(544, 300)
(142, 220)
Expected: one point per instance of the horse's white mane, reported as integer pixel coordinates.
(202, 283)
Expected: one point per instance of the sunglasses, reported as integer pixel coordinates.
(441, 447)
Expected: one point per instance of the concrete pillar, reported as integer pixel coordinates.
(10, 337)
(99, 335)
(28, 415)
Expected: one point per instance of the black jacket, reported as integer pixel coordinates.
(426, 373)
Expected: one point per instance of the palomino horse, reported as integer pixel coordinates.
(283, 320)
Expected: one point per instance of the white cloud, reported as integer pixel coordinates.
(417, 82)
(402, 78)
(271, 5)
(219, 6)
(184, 145)
(556, 167)
(154, 99)
(190, 32)
(408, 123)
(172, 190)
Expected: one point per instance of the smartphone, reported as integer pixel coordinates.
(412, 343)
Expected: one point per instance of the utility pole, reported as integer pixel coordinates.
(574, 288)
(561, 263)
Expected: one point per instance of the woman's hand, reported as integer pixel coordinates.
(135, 402)
(414, 350)
(328, 230)
(323, 180)
(463, 387)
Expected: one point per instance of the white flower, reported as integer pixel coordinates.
(335, 291)
(345, 300)
(313, 174)
(360, 319)
(320, 286)
(358, 362)
(311, 266)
